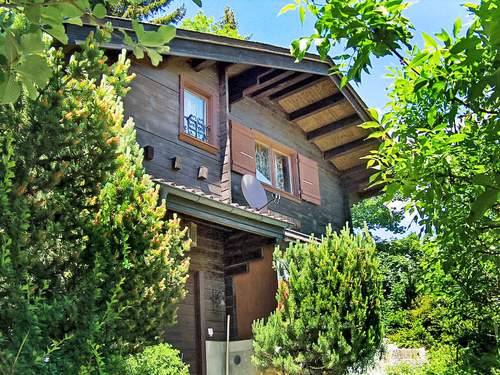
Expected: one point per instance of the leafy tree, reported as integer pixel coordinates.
(25, 26)
(329, 307)
(226, 26)
(155, 11)
(89, 266)
(377, 214)
(439, 147)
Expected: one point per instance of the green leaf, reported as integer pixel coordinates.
(302, 14)
(455, 138)
(69, 10)
(74, 21)
(429, 40)
(287, 8)
(35, 68)
(33, 14)
(483, 202)
(58, 32)
(487, 180)
(370, 125)
(154, 56)
(457, 26)
(33, 42)
(197, 2)
(10, 89)
(11, 48)
(378, 134)
(138, 52)
(99, 11)
(374, 113)
(52, 15)
(167, 33)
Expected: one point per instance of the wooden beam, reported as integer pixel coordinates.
(242, 81)
(320, 105)
(200, 64)
(361, 178)
(355, 169)
(279, 85)
(370, 192)
(348, 147)
(296, 87)
(330, 128)
(236, 269)
(267, 80)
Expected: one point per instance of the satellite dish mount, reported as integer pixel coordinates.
(255, 194)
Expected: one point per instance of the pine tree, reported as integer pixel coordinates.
(226, 26)
(329, 307)
(90, 267)
(155, 11)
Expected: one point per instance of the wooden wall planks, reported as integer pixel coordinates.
(153, 102)
(207, 257)
(313, 218)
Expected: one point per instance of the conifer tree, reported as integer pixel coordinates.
(155, 11)
(225, 26)
(328, 318)
(90, 268)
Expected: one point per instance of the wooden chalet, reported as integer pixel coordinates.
(214, 110)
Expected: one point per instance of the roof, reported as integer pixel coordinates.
(305, 93)
(196, 203)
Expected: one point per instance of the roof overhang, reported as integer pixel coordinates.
(306, 93)
(201, 206)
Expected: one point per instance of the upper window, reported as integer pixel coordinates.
(195, 116)
(273, 167)
(197, 109)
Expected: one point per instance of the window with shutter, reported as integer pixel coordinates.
(309, 180)
(242, 149)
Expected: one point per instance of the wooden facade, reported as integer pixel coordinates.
(253, 94)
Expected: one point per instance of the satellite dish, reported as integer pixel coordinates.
(254, 193)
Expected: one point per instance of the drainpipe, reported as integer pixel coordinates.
(227, 344)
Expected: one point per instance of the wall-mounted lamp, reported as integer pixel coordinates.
(217, 299)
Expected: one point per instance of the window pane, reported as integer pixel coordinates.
(263, 166)
(283, 178)
(195, 122)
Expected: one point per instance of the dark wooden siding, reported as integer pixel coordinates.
(153, 102)
(208, 258)
(312, 218)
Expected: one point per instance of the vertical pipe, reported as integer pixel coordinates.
(227, 344)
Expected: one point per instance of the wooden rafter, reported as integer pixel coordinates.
(268, 79)
(279, 85)
(296, 87)
(242, 81)
(346, 122)
(313, 108)
(348, 147)
(355, 170)
(200, 64)
(367, 193)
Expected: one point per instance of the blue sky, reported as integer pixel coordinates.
(259, 19)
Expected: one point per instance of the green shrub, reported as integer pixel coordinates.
(446, 360)
(160, 359)
(329, 307)
(89, 265)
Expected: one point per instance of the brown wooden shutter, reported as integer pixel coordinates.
(242, 149)
(309, 180)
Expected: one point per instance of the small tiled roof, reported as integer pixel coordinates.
(200, 193)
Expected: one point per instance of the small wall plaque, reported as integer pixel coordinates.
(202, 173)
(176, 163)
